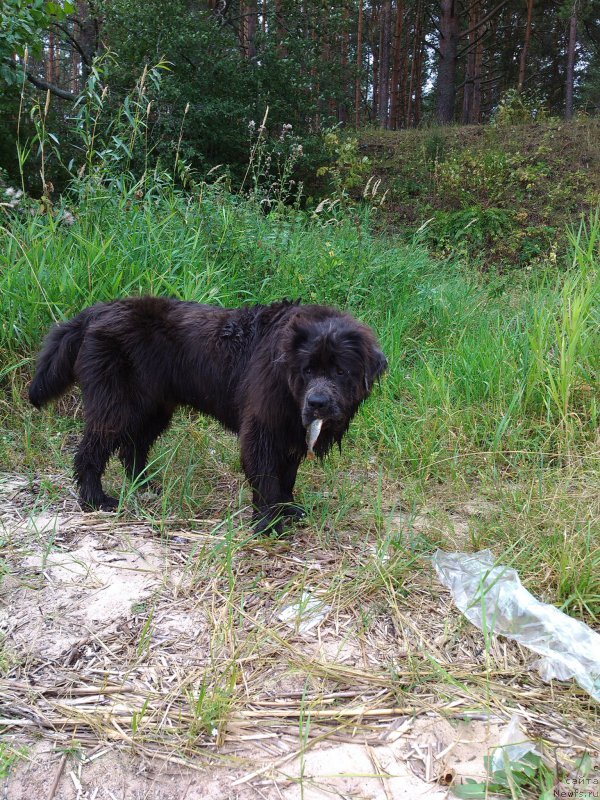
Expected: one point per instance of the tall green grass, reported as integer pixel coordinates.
(474, 374)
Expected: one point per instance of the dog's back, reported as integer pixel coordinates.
(140, 352)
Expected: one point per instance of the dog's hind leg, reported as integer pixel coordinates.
(135, 447)
(94, 450)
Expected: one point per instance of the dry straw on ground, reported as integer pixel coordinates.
(167, 646)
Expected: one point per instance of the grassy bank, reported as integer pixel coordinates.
(502, 194)
(492, 390)
(165, 630)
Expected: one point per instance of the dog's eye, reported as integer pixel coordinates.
(308, 371)
(340, 371)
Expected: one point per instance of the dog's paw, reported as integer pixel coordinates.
(109, 504)
(293, 512)
(268, 523)
(105, 503)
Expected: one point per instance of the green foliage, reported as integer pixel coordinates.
(494, 197)
(22, 26)
(268, 180)
(530, 778)
(435, 147)
(564, 338)
(210, 705)
(348, 169)
(114, 147)
(468, 231)
(9, 757)
(206, 73)
(229, 62)
(527, 777)
(519, 108)
(489, 173)
(222, 88)
(108, 143)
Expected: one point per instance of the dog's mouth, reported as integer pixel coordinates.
(312, 434)
(320, 411)
(309, 416)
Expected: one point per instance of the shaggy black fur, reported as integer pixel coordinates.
(264, 372)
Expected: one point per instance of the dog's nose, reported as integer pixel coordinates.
(317, 401)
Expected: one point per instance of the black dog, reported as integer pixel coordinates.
(265, 372)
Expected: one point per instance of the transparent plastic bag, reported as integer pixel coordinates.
(513, 745)
(492, 595)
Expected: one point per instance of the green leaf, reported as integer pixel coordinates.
(469, 790)
(584, 764)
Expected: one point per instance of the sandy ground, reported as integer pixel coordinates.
(345, 770)
(95, 617)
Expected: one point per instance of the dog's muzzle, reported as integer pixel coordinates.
(319, 404)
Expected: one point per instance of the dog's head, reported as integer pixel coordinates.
(332, 362)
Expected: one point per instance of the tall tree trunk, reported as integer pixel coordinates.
(396, 62)
(51, 59)
(279, 28)
(481, 26)
(251, 28)
(474, 34)
(316, 87)
(243, 29)
(419, 81)
(327, 58)
(89, 31)
(404, 78)
(343, 102)
(416, 45)
(75, 64)
(572, 46)
(525, 50)
(446, 78)
(384, 63)
(375, 42)
(475, 114)
(359, 47)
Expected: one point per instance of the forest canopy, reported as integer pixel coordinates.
(387, 63)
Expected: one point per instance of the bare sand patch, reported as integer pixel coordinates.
(162, 659)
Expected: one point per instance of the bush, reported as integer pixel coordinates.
(519, 107)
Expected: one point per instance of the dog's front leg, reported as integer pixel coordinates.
(262, 464)
(268, 513)
(287, 478)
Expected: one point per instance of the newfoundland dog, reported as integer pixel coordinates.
(285, 377)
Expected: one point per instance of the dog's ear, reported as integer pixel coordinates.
(377, 364)
(296, 336)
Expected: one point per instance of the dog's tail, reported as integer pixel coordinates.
(54, 373)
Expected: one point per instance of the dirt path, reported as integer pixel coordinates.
(176, 662)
